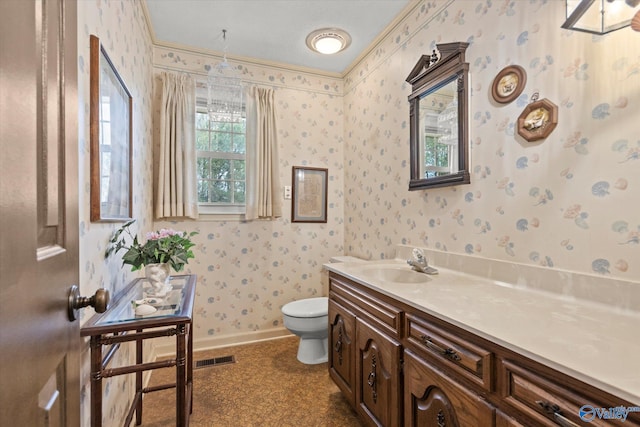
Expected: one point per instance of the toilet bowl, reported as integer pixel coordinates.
(309, 319)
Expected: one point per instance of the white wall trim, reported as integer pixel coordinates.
(222, 341)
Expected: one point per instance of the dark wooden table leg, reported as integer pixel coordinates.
(96, 381)
(181, 389)
(190, 365)
(139, 360)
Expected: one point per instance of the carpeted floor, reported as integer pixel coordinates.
(266, 386)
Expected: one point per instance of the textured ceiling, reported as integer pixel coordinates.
(272, 30)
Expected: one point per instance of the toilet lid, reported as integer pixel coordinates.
(310, 307)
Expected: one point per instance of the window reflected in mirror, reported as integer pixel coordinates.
(439, 131)
(438, 118)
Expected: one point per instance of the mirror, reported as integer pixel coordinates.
(438, 117)
(110, 117)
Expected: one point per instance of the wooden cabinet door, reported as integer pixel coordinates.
(378, 393)
(342, 333)
(432, 399)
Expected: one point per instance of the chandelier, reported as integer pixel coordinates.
(224, 91)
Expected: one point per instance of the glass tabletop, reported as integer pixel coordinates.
(140, 302)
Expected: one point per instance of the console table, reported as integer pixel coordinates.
(173, 316)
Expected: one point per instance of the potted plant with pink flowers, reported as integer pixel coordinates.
(162, 250)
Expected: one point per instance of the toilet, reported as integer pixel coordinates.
(309, 319)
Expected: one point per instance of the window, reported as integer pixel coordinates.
(220, 151)
(105, 150)
(437, 157)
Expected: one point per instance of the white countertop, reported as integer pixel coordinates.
(596, 343)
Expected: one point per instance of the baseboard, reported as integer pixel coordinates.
(222, 341)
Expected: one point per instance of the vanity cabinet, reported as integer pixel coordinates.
(399, 365)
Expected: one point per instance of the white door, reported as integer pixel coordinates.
(39, 345)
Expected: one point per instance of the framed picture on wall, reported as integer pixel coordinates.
(508, 84)
(309, 199)
(538, 120)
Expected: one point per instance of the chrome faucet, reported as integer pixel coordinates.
(419, 263)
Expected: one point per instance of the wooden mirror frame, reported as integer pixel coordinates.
(98, 212)
(428, 75)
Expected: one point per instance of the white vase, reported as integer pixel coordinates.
(158, 276)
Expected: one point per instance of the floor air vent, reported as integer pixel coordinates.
(224, 360)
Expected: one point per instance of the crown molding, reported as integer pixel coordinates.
(248, 60)
(408, 10)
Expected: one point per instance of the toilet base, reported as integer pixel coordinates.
(312, 351)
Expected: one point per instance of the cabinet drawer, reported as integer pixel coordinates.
(366, 304)
(467, 359)
(550, 403)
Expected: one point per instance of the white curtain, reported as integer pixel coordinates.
(263, 199)
(176, 193)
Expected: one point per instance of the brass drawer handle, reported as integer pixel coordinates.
(446, 352)
(554, 410)
(338, 346)
(371, 379)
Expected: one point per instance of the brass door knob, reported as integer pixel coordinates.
(99, 301)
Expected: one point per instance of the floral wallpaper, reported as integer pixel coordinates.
(121, 27)
(248, 270)
(568, 202)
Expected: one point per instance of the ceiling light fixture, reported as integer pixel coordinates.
(599, 16)
(328, 40)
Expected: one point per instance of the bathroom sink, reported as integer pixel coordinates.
(396, 273)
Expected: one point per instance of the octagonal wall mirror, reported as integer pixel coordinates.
(438, 117)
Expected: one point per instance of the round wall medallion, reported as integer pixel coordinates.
(509, 84)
